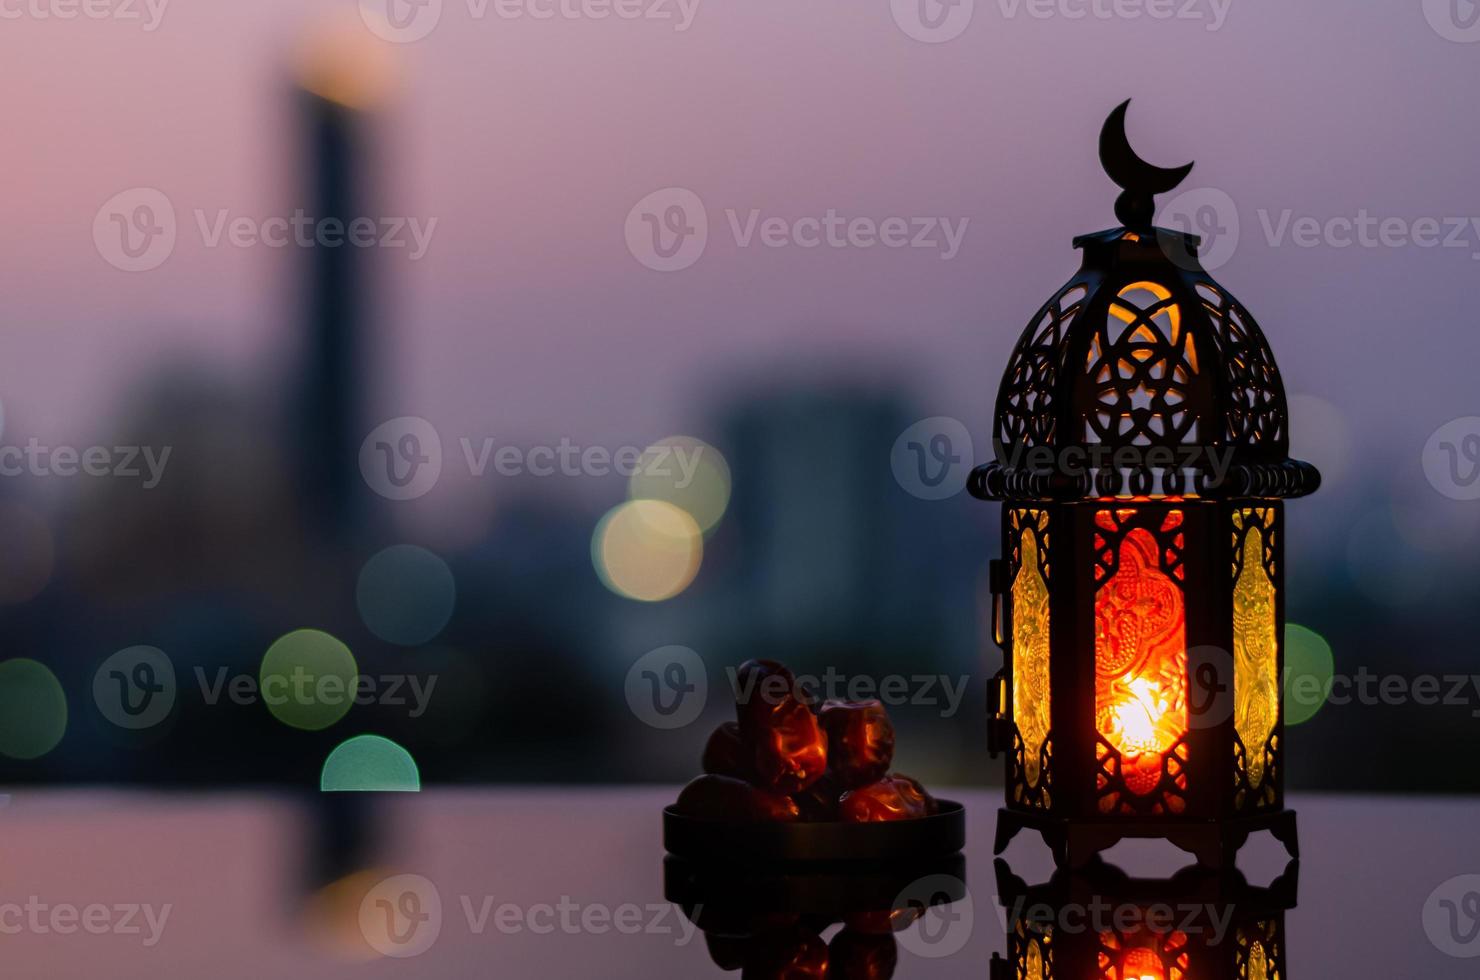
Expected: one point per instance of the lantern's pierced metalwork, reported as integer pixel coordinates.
(1105, 924)
(1142, 458)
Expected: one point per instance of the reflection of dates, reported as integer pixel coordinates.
(796, 951)
(856, 955)
(792, 955)
(728, 952)
(886, 921)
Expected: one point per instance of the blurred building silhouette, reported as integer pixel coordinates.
(833, 553)
(336, 342)
(263, 524)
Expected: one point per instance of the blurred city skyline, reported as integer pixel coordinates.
(527, 277)
(533, 315)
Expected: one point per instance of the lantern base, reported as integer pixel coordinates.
(1214, 843)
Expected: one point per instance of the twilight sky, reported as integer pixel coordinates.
(529, 141)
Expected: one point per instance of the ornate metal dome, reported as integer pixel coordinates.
(1141, 375)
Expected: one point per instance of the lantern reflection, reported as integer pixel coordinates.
(1100, 924)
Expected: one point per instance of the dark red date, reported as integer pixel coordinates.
(761, 686)
(726, 754)
(895, 797)
(860, 741)
(790, 749)
(819, 802)
(725, 798)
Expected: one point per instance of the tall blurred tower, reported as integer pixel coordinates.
(342, 76)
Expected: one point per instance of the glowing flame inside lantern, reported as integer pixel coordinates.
(1142, 964)
(1138, 717)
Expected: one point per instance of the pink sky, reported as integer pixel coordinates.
(529, 141)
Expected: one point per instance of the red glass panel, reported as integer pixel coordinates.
(1140, 661)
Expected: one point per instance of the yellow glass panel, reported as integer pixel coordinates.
(1035, 962)
(1140, 662)
(1030, 674)
(1256, 687)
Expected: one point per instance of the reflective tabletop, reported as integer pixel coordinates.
(540, 882)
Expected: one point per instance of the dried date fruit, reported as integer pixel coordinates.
(818, 803)
(760, 686)
(860, 741)
(726, 798)
(790, 749)
(726, 754)
(894, 797)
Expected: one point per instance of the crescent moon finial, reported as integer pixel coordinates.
(1139, 180)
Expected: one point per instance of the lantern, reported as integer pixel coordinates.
(1107, 926)
(1141, 458)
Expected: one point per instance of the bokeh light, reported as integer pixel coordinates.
(648, 550)
(369, 763)
(331, 916)
(30, 553)
(1319, 432)
(1309, 667)
(343, 64)
(308, 679)
(688, 473)
(405, 594)
(33, 709)
(1434, 524)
